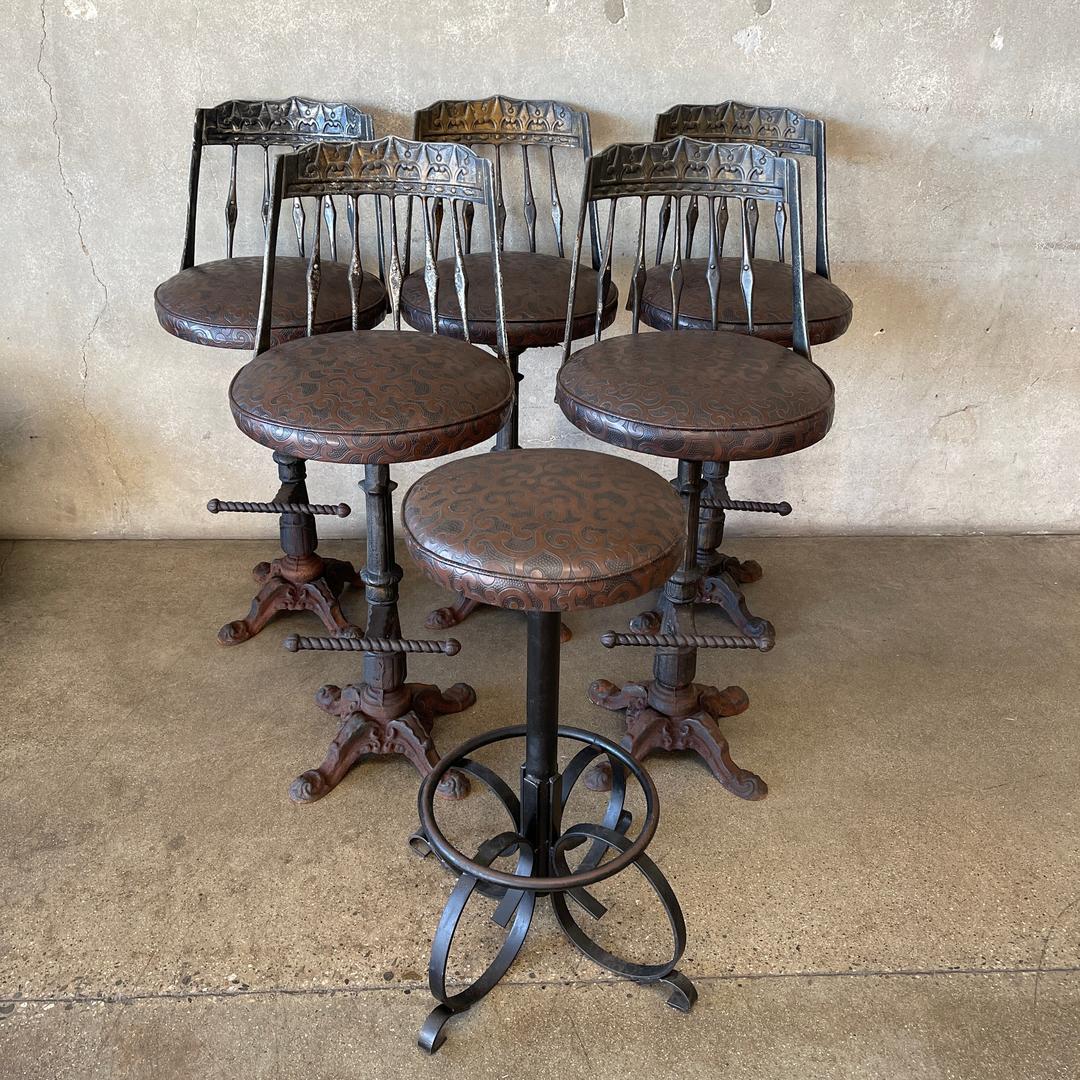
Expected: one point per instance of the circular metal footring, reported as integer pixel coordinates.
(649, 870)
(431, 1035)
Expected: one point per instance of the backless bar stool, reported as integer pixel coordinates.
(374, 398)
(217, 304)
(535, 284)
(697, 396)
(828, 308)
(544, 531)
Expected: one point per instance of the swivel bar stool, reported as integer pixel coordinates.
(828, 308)
(217, 304)
(544, 531)
(697, 396)
(373, 398)
(535, 284)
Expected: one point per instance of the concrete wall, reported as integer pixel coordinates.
(954, 184)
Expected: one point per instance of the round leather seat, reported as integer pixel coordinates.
(536, 289)
(217, 303)
(828, 308)
(697, 395)
(545, 530)
(372, 397)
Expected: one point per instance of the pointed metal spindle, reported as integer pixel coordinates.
(437, 217)
(299, 218)
(712, 272)
(640, 273)
(662, 223)
(500, 206)
(408, 234)
(556, 205)
(330, 214)
(752, 218)
(722, 223)
(530, 202)
(780, 221)
(746, 270)
(676, 265)
(691, 224)
(356, 269)
(396, 276)
(431, 273)
(604, 275)
(314, 272)
(467, 214)
(230, 207)
(266, 192)
(461, 280)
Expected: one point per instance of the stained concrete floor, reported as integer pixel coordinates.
(905, 904)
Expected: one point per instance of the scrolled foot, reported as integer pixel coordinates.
(609, 696)
(309, 788)
(328, 697)
(261, 571)
(598, 778)
(730, 701)
(432, 1035)
(648, 622)
(234, 633)
(445, 617)
(683, 992)
(454, 785)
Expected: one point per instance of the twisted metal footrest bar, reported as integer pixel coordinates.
(222, 506)
(519, 890)
(299, 643)
(781, 508)
(611, 640)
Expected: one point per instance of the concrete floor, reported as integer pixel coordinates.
(905, 904)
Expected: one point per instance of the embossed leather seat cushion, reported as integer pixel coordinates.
(536, 289)
(371, 397)
(545, 530)
(217, 303)
(699, 395)
(828, 308)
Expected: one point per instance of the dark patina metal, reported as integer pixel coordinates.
(536, 285)
(828, 308)
(575, 529)
(374, 398)
(698, 396)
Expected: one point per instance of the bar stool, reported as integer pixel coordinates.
(696, 396)
(544, 531)
(217, 304)
(535, 284)
(828, 308)
(375, 398)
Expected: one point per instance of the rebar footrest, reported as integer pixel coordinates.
(612, 640)
(300, 643)
(749, 505)
(223, 506)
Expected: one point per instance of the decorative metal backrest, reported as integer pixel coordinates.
(291, 122)
(778, 128)
(689, 169)
(443, 179)
(500, 121)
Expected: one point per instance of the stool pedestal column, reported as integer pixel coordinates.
(383, 714)
(672, 711)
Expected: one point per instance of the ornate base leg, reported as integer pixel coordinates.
(462, 607)
(672, 711)
(722, 588)
(383, 714)
(278, 593)
(541, 842)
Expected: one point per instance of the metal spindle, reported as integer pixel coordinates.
(396, 276)
(556, 205)
(230, 207)
(299, 218)
(691, 224)
(722, 223)
(431, 273)
(500, 206)
(746, 271)
(266, 192)
(461, 280)
(712, 272)
(356, 269)
(314, 273)
(603, 277)
(752, 218)
(780, 222)
(330, 214)
(530, 201)
(662, 223)
(640, 273)
(676, 266)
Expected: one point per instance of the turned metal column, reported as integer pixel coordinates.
(507, 438)
(299, 538)
(710, 531)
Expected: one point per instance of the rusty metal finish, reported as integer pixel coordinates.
(697, 395)
(217, 303)
(371, 396)
(548, 530)
(781, 129)
(535, 288)
(828, 308)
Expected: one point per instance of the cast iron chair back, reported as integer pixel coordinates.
(443, 179)
(689, 169)
(502, 121)
(780, 129)
(293, 122)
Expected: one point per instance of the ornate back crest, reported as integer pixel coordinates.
(294, 121)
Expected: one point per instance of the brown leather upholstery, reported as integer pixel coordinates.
(698, 395)
(217, 303)
(372, 397)
(544, 530)
(536, 289)
(828, 308)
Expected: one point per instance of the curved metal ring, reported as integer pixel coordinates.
(579, 879)
(651, 873)
(615, 817)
